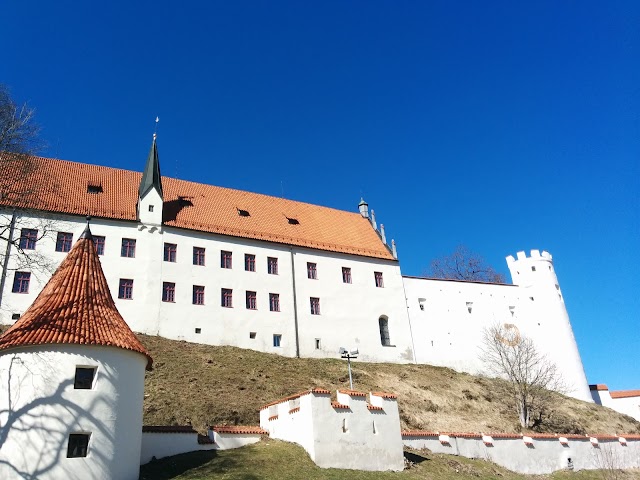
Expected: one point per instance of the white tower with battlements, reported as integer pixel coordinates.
(544, 317)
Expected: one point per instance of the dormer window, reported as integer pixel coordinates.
(293, 221)
(243, 213)
(95, 189)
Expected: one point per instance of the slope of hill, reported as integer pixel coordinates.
(205, 385)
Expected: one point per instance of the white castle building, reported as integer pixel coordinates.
(213, 265)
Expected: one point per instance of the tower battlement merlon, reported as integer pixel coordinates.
(535, 255)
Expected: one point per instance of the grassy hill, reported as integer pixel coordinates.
(205, 385)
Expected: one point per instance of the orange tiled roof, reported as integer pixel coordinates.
(387, 395)
(74, 307)
(352, 393)
(238, 429)
(61, 186)
(625, 393)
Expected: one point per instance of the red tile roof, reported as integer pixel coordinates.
(353, 393)
(390, 396)
(74, 307)
(240, 430)
(625, 393)
(539, 436)
(61, 186)
(373, 407)
(316, 390)
(340, 406)
(599, 386)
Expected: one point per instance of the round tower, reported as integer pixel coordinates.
(545, 318)
(72, 375)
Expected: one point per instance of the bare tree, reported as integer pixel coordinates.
(530, 375)
(20, 190)
(464, 264)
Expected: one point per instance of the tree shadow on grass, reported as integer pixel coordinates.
(201, 464)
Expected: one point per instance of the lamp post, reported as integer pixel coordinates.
(344, 353)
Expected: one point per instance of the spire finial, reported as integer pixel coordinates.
(87, 231)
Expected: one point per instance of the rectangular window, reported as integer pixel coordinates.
(277, 339)
(170, 252)
(315, 306)
(168, 292)
(78, 445)
(128, 248)
(198, 295)
(198, 256)
(272, 265)
(98, 241)
(64, 242)
(227, 298)
(252, 303)
(274, 302)
(21, 282)
(312, 271)
(225, 259)
(346, 275)
(125, 289)
(84, 378)
(28, 238)
(378, 277)
(249, 262)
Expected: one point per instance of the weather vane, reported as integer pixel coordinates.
(155, 132)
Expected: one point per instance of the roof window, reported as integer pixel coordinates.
(293, 221)
(243, 213)
(94, 188)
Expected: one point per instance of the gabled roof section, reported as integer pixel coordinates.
(74, 307)
(151, 176)
(200, 207)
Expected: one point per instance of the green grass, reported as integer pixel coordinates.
(276, 460)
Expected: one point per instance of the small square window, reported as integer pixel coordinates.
(226, 298)
(277, 340)
(274, 302)
(249, 262)
(378, 278)
(198, 295)
(151, 208)
(28, 238)
(315, 306)
(312, 271)
(170, 252)
(168, 292)
(198, 330)
(15, 316)
(252, 335)
(272, 265)
(84, 378)
(225, 259)
(125, 289)
(198, 256)
(21, 282)
(346, 275)
(251, 301)
(64, 242)
(533, 269)
(98, 241)
(78, 445)
(128, 248)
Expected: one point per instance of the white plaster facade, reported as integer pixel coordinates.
(351, 435)
(535, 456)
(626, 402)
(39, 409)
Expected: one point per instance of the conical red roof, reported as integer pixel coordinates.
(74, 307)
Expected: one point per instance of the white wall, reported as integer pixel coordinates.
(356, 438)
(628, 404)
(162, 445)
(541, 456)
(40, 408)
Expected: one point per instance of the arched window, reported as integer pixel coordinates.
(383, 321)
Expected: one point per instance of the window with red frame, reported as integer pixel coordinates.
(21, 282)
(346, 275)
(28, 238)
(98, 241)
(170, 252)
(128, 248)
(274, 302)
(252, 303)
(312, 271)
(198, 256)
(272, 265)
(168, 292)
(198, 295)
(249, 262)
(315, 306)
(125, 289)
(227, 298)
(378, 277)
(64, 241)
(225, 259)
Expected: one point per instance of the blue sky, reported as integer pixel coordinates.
(504, 126)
